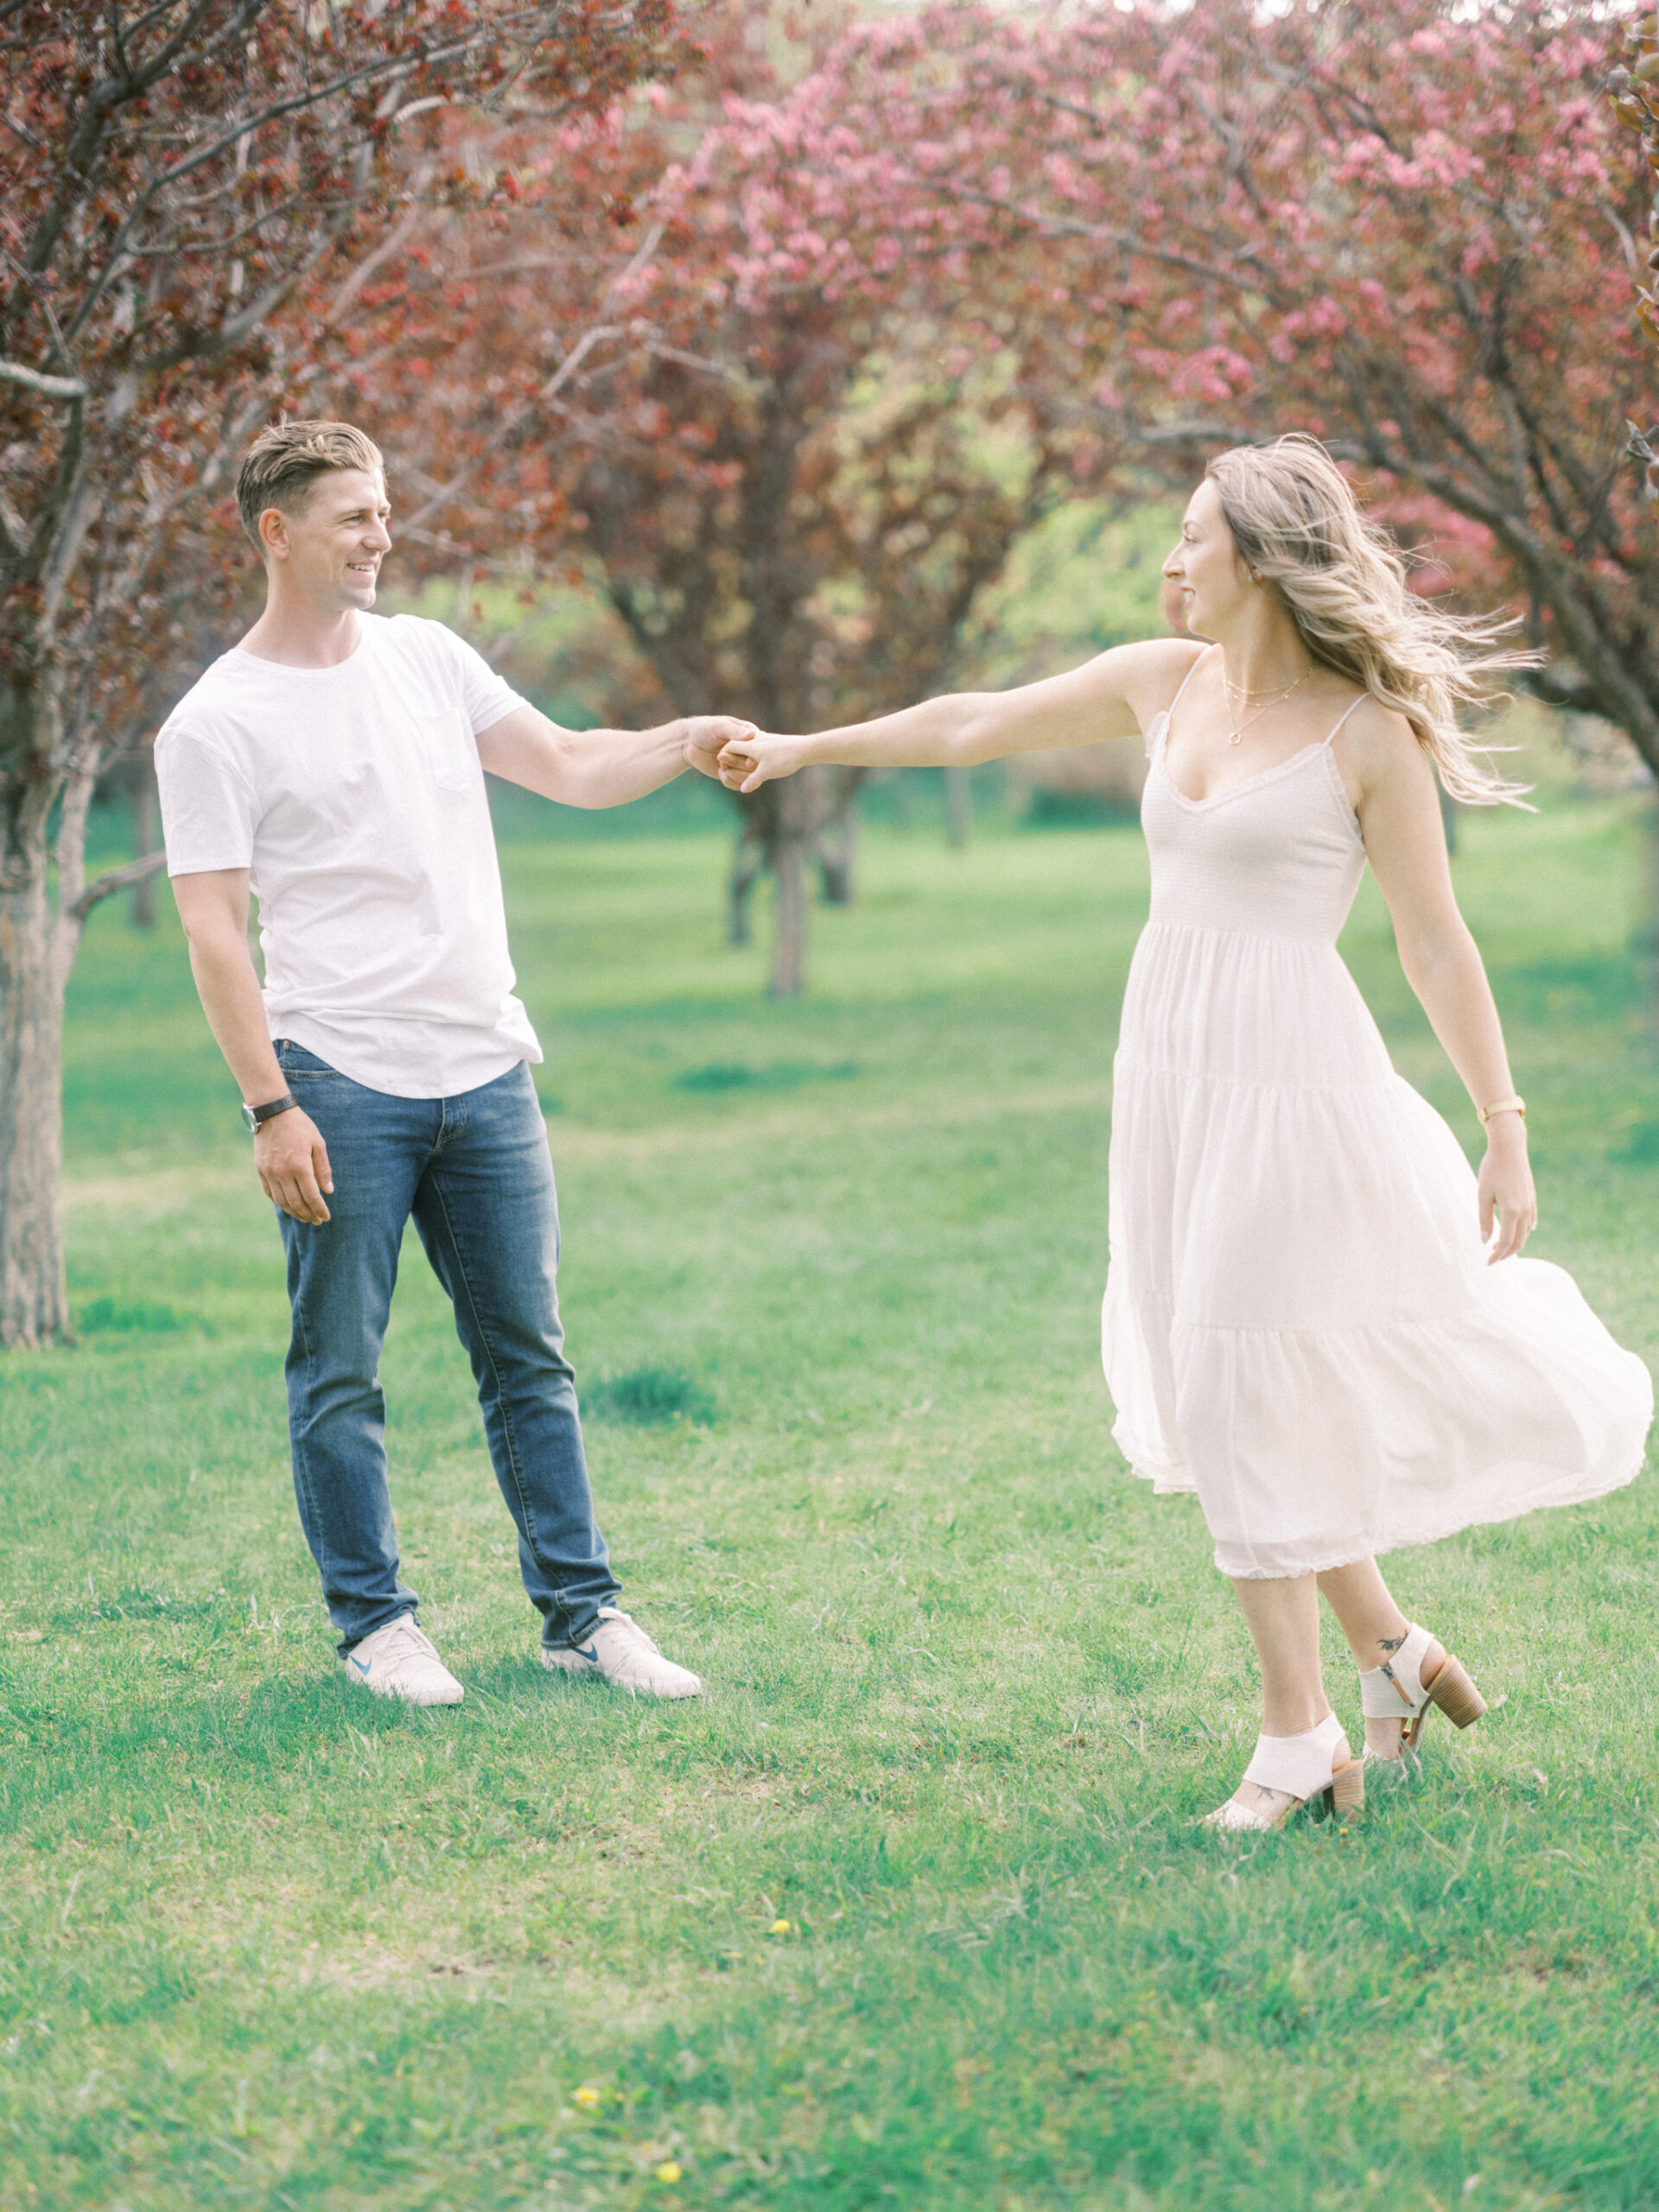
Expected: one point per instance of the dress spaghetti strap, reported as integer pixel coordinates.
(1185, 680)
(1341, 718)
(1158, 726)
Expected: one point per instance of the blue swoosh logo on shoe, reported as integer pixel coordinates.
(361, 1665)
(591, 1652)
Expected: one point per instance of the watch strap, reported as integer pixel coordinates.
(256, 1116)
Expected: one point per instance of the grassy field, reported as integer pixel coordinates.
(911, 1910)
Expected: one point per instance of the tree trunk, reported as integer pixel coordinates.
(789, 854)
(747, 861)
(145, 808)
(837, 848)
(958, 809)
(33, 1295)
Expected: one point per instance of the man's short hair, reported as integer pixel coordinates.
(284, 461)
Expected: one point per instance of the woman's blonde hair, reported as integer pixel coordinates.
(1297, 523)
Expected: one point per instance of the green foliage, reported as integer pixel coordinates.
(1087, 576)
(266, 1943)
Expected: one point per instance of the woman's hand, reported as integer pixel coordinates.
(704, 735)
(1506, 1193)
(746, 763)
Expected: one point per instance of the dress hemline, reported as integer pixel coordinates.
(1168, 1482)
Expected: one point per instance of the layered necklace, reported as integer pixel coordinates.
(1240, 694)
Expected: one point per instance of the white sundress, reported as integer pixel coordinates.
(1300, 1321)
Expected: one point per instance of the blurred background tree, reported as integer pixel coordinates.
(190, 189)
(1401, 226)
(790, 497)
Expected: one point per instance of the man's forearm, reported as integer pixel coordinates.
(235, 1009)
(609, 767)
(583, 767)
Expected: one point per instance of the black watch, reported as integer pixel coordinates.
(254, 1117)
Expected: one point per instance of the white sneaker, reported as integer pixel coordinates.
(401, 1661)
(618, 1650)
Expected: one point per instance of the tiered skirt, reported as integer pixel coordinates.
(1300, 1322)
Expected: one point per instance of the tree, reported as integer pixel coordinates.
(813, 558)
(192, 189)
(1401, 225)
(1633, 91)
(790, 499)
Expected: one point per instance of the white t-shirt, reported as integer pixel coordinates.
(354, 797)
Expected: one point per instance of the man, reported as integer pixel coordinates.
(333, 762)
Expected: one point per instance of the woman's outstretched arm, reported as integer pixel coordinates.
(1112, 695)
(1399, 814)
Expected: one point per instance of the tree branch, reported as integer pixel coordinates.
(102, 101)
(116, 879)
(49, 387)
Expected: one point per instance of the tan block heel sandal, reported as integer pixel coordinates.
(1396, 1691)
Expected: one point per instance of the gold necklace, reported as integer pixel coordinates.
(1276, 699)
(1241, 691)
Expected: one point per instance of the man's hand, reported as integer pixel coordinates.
(292, 1161)
(706, 734)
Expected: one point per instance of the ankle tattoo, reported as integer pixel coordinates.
(1389, 1643)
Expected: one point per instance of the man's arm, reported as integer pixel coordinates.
(602, 767)
(288, 1154)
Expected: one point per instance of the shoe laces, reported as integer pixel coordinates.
(406, 1638)
(627, 1622)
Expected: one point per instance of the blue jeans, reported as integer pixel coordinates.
(474, 1172)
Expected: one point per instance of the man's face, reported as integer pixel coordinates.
(330, 549)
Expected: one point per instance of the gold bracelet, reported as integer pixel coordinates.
(1502, 1106)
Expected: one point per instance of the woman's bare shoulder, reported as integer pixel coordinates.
(1146, 675)
(1382, 763)
(1379, 743)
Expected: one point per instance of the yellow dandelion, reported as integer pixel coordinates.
(780, 1926)
(587, 2094)
(669, 2171)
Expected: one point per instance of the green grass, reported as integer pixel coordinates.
(264, 1942)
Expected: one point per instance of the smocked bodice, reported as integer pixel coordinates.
(1277, 856)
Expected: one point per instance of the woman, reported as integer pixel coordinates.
(1315, 1316)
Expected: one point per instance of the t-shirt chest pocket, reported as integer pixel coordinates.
(442, 745)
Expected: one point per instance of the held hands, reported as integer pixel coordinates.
(705, 735)
(292, 1161)
(1507, 1198)
(757, 758)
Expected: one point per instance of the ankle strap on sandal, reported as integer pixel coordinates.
(1299, 1764)
(1394, 1690)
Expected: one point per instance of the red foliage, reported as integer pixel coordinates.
(788, 488)
(194, 193)
(1398, 225)
(1633, 96)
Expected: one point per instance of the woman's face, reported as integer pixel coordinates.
(1213, 583)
